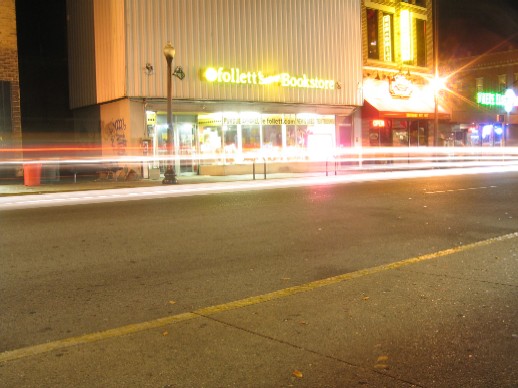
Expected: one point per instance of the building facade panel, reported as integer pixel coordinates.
(110, 50)
(81, 53)
(302, 38)
(277, 80)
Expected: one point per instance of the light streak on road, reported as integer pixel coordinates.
(83, 157)
(183, 190)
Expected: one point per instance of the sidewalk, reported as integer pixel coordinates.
(82, 183)
(441, 320)
(16, 186)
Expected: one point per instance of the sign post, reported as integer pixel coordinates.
(509, 102)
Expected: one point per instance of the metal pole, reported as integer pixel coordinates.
(169, 110)
(170, 174)
(506, 128)
(436, 69)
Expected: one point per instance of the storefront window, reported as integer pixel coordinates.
(231, 136)
(238, 137)
(418, 133)
(272, 140)
(161, 137)
(210, 136)
(231, 142)
(210, 140)
(251, 137)
(399, 133)
(291, 136)
(320, 141)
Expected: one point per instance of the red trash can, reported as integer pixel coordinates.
(32, 174)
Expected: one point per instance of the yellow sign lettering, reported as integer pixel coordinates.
(236, 76)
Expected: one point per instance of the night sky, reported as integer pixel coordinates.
(467, 27)
(472, 27)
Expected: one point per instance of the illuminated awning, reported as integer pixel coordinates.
(420, 104)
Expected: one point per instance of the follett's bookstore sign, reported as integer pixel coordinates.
(237, 76)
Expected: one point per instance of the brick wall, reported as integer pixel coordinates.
(9, 64)
(394, 7)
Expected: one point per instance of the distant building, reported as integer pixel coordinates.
(270, 79)
(398, 69)
(478, 87)
(10, 118)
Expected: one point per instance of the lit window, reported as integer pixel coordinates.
(420, 36)
(406, 35)
(479, 82)
(502, 82)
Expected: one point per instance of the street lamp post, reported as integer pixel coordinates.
(436, 114)
(435, 16)
(509, 102)
(170, 174)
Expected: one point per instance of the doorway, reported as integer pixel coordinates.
(185, 141)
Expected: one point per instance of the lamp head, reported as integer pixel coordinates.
(169, 51)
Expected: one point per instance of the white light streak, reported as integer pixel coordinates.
(133, 194)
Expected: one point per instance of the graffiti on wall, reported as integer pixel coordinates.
(115, 132)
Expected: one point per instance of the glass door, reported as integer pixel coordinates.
(186, 141)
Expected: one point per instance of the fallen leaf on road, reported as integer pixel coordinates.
(172, 302)
(297, 373)
(365, 298)
(382, 358)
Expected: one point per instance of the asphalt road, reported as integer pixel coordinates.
(71, 271)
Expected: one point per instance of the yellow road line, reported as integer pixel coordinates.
(206, 311)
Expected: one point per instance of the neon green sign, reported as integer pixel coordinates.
(236, 76)
(494, 99)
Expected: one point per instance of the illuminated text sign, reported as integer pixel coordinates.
(151, 118)
(237, 76)
(417, 115)
(387, 38)
(266, 120)
(497, 99)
